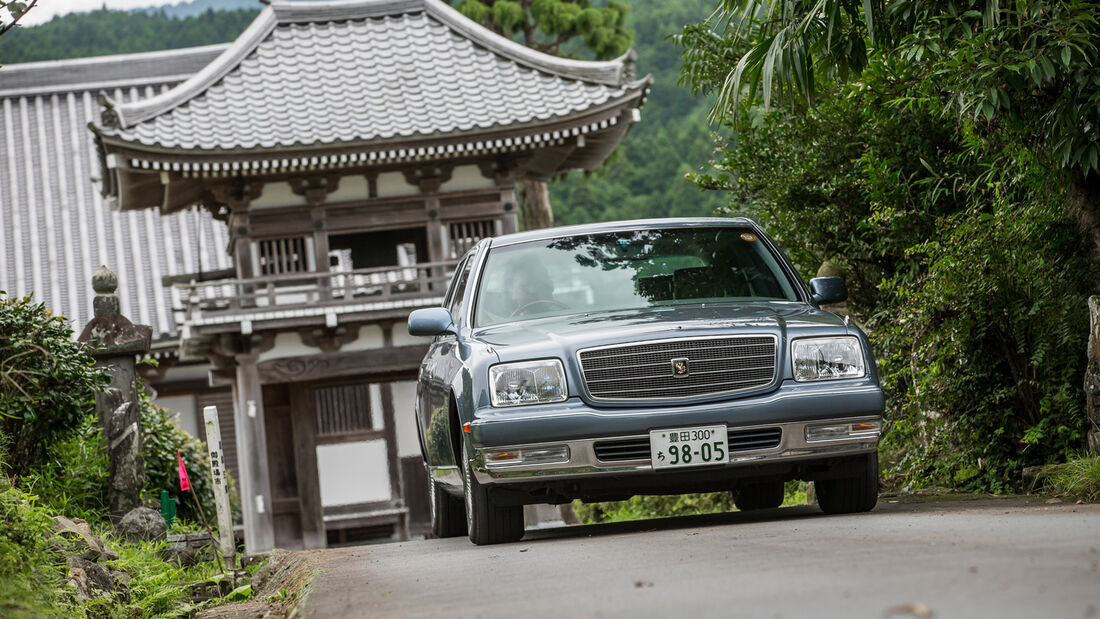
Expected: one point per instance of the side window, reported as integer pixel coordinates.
(460, 286)
(454, 283)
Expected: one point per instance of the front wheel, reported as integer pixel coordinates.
(448, 519)
(487, 522)
(849, 495)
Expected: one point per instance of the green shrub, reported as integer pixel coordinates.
(47, 381)
(1079, 478)
(31, 569)
(74, 480)
(964, 265)
(157, 588)
(161, 437)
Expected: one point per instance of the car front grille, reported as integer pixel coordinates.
(638, 448)
(713, 366)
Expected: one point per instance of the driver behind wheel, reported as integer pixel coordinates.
(531, 289)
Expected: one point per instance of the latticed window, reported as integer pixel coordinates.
(345, 409)
(466, 234)
(284, 255)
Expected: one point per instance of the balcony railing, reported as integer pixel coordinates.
(315, 294)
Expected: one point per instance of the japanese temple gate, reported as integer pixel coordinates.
(354, 150)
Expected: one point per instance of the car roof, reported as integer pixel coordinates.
(617, 226)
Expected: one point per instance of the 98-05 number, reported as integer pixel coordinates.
(708, 452)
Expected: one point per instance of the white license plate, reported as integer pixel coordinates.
(680, 447)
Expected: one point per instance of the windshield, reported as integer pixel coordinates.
(627, 270)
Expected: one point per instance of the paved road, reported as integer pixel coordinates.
(979, 558)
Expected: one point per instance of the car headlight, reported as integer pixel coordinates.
(827, 358)
(527, 382)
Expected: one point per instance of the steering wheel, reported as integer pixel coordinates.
(519, 310)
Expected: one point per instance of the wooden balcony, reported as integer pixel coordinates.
(310, 298)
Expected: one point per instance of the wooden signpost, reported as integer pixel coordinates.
(221, 483)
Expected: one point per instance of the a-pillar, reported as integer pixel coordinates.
(256, 507)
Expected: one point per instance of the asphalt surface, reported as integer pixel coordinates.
(974, 558)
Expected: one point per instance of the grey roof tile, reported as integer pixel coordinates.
(56, 229)
(422, 71)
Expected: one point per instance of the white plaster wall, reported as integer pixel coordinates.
(401, 336)
(184, 408)
(392, 184)
(186, 372)
(467, 177)
(288, 344)
(370, 336)
(276, 195)
(404, 417)
(353, 473)
(350, 188)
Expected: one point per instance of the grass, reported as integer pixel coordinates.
(1078, 479)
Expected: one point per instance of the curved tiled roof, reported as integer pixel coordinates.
(326, 73)
(55, 228)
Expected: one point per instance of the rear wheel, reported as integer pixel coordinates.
(486, 522)
(850, 494)
(764, 495)
(448, 517)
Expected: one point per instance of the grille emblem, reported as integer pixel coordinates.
(680, 367)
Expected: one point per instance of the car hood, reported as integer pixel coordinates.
(567, 334)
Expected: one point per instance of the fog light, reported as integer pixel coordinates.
(554, 454)
(832, 432)
(826, 433)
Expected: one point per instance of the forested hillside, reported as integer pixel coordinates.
(645, 178)
(102, 32)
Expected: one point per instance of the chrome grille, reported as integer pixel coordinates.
(644, 371)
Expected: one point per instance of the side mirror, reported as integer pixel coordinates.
(431, 321)
(828, 289)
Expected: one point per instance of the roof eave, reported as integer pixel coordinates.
(635, 93)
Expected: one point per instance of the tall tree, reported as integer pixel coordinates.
(559, 27)
(1023, 66)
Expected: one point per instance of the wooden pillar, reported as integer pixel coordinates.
(304, 427)
(510, 221)
(256, 500)
(435, 230)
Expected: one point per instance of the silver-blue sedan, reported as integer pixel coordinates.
(667, 356)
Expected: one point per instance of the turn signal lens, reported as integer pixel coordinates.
(862, 429)
(834, 432)
(554, 454)
(826, 433)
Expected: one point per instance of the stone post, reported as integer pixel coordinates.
(1092, 377)
(115, 341)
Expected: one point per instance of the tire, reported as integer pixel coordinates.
(448, 512)
(764, 495)
(849, 495)
(486, 522)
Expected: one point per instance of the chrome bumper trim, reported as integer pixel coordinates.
(584, 463)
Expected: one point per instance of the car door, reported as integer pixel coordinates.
(440, 366)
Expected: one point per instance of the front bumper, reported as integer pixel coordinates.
(790, 408)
